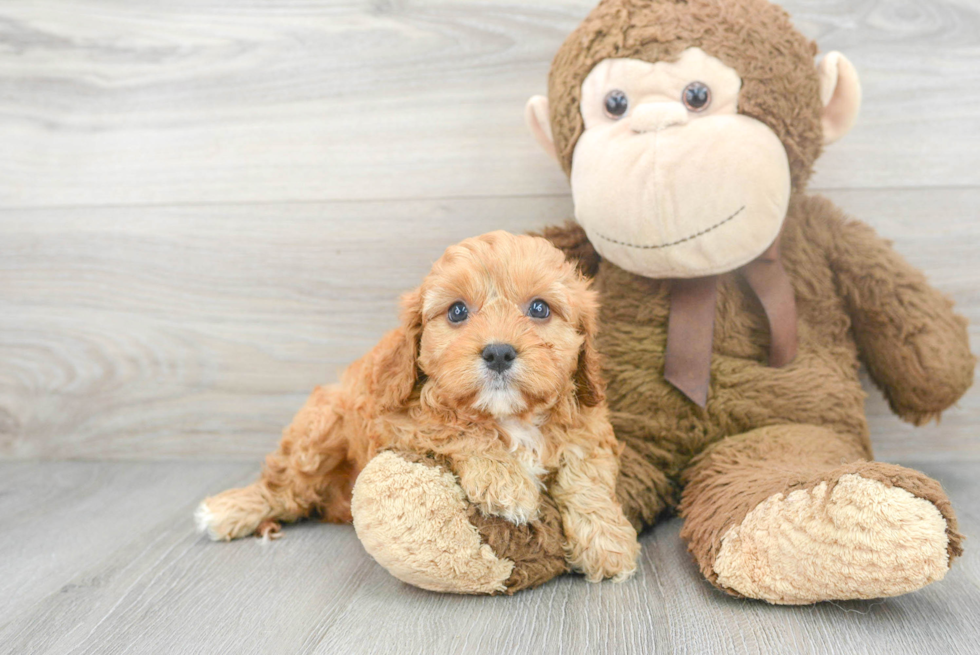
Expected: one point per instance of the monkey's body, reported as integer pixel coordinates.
(768, 431)
(820, 388)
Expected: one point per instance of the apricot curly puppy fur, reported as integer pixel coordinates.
(494, 370)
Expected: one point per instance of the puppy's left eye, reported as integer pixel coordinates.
(538, 309)
(458, 312)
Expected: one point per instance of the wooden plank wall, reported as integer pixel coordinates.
(207, 207)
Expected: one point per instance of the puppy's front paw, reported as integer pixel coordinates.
(496, 490)
(602, 549)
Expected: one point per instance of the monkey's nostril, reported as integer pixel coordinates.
(499, 356)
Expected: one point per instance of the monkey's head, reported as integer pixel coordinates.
(686, 125)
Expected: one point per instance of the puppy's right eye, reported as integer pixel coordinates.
(539, 309)
(458, 312)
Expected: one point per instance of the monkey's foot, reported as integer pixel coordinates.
(873, 531)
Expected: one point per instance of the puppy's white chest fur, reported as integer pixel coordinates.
(522, 434)
(527, 444)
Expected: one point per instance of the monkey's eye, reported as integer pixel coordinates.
(696, 96)
(616, 104)
(458, 312)
(538, 309)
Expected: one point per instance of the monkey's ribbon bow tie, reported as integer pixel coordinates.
(690, 328)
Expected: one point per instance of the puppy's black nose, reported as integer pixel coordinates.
(499, 356)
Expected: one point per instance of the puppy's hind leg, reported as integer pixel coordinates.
(312, 471)
(237, 513)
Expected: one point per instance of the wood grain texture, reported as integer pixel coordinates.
(60, 519)
(160, 332)
(176, 331)
(135, 102)
(132, 577)
(159, 299)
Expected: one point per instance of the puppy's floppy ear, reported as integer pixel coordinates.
(394, 368)
(589, 383)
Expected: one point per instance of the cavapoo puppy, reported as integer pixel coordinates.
(493, 369)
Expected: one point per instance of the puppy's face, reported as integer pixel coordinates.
(507, 327)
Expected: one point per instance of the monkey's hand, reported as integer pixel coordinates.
(913, 344)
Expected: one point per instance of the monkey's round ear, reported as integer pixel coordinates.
(840, 93)
(537, 115)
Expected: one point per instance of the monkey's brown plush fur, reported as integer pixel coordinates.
(774, 477)
(795, 426)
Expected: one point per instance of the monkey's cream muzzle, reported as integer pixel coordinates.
(665, 192)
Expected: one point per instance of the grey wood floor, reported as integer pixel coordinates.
(209, 206)
(100, 557)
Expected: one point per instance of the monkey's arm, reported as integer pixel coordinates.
(571, 239)
(913, 344)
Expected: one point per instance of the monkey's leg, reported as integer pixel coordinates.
(312, 471)
(796, 514)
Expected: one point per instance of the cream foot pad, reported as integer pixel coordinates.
(863, 539)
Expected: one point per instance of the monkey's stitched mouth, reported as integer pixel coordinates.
(672, 243)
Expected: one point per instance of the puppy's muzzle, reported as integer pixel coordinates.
(499, 356)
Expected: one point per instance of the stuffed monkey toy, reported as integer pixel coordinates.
(736, 310)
